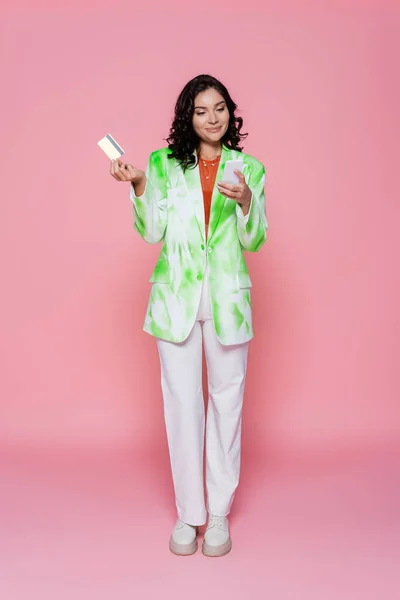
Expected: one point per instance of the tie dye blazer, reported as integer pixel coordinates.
(171, 210)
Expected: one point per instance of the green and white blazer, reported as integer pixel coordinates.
(171, 210)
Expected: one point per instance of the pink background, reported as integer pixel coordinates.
(81, 411)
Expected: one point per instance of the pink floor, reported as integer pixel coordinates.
(97, 526)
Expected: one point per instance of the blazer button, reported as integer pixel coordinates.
(202, 246)
(210, 249)
(199, 276)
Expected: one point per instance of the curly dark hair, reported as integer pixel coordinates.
(182, 139)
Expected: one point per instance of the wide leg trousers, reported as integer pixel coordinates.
(184, 413)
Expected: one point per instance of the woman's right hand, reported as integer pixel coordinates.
(122, 172)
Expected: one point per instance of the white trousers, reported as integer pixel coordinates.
(184, 413)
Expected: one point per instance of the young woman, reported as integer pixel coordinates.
(201, 293)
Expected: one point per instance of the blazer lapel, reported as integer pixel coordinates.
(217, 199)
(195, 193)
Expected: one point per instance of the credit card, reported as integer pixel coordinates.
(110, 147)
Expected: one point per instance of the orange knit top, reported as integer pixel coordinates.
(208, 172)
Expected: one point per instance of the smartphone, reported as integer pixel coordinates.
(110, 147)
(229, 176)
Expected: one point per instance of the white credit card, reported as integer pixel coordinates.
(230, 166)
(110, 147)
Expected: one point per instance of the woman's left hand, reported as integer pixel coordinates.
(240, 192)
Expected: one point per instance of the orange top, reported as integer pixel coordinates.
(208, 172)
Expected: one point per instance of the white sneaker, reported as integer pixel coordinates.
(217, 541)
(183, 540)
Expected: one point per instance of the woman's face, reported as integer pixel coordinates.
(210, 113)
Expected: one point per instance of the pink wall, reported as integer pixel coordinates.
(318, 94)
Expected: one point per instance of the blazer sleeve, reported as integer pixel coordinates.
(150, 209)
(252, 229)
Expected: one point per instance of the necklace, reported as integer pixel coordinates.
(213, 162)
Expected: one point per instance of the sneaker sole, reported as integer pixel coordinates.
(183, 549)
(214, 551)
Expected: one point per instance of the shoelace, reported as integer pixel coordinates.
(216, 520)
(181, 523)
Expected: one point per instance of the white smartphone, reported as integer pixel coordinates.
(229, 176)
(110, 147)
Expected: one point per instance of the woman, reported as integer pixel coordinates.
(201, 292)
